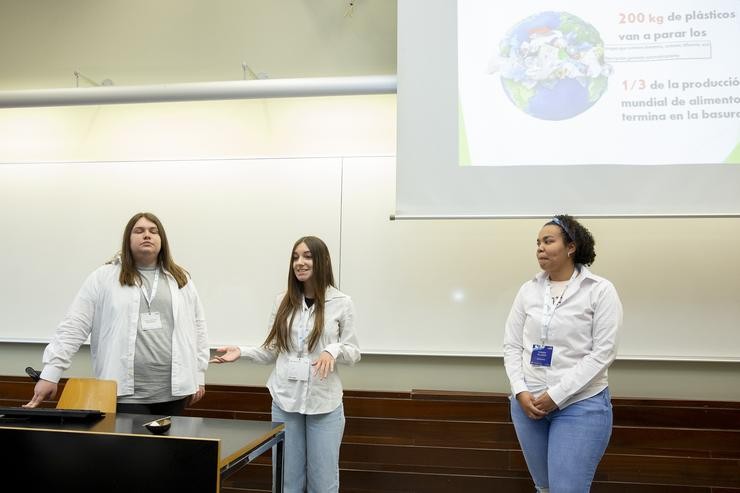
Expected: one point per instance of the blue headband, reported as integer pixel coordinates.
(560, 223)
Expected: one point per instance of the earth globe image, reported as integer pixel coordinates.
(552, 65)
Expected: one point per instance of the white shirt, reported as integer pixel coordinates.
(109, 314)
(314, 396)
(583, 333)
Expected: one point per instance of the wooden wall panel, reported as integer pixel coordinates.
(441, 441)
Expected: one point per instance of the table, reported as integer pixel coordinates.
(118, 454)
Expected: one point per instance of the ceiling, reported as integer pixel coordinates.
(135, 42)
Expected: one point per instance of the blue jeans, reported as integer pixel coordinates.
(563, 449)
(311, 450)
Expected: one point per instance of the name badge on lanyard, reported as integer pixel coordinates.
(541, 355)
(151, 321)
(298, 369)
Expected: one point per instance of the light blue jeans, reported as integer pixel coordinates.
(312, 444)
(563, 449)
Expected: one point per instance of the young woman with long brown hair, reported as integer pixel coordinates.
(312, 327)
(144, 318)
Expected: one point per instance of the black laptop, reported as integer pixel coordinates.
(49, 414)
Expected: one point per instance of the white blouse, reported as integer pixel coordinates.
(313, 396)
(583, 333)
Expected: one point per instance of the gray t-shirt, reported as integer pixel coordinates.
(153, 353)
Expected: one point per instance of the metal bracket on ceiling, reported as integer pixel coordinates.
(79, 75)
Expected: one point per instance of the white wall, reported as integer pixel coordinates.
(327, 127)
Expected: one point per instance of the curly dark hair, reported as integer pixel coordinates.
(575, 232)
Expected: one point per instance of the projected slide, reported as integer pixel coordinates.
(608, 82)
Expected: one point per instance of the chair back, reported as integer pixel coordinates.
(89, 393)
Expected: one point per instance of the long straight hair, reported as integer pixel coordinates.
(129, 274)
(321, 278)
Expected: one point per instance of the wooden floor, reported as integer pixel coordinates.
(433, 441)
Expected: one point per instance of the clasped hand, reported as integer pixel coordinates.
(536, 408)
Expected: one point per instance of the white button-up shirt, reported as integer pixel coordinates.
(583, 334)
(314, 396)
(109, 314)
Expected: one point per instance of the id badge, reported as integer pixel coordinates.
(298, 369)
(541, 355)
(151, 321)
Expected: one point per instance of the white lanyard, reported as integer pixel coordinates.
(550, 305)
(149, 297)
(303, 327)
